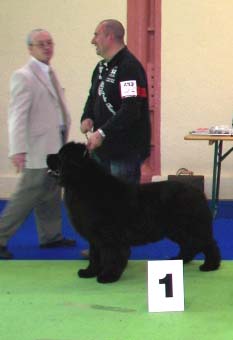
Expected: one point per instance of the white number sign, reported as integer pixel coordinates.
(165, 286)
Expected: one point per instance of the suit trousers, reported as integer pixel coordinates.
(39, 192)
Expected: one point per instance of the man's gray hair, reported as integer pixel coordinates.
(29, 39)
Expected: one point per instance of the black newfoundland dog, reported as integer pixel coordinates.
(113, 215)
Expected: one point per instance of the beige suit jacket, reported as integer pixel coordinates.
(33, 118)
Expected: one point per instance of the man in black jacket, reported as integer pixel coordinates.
(116, 114)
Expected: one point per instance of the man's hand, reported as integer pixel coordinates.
(18, 161)
(94, 140)
(86, 125)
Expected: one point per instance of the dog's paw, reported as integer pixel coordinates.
(86, 273)
(107, 278)
(208, 267)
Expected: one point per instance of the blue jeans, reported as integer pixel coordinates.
(128, 170)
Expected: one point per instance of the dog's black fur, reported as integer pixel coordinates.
(113, 215)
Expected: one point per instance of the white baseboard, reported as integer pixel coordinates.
(8, 185)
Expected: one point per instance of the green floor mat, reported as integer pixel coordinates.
(45, 300)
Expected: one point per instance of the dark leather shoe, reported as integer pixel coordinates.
(61, 243)
(5, 254)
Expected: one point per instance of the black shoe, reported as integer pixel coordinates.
(5, 254)
(61, 243)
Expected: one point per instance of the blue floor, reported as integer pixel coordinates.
(24, 244)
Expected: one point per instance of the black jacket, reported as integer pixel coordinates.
(118, 104)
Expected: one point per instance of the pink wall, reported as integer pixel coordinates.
(144, 40)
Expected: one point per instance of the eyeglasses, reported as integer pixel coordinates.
(43, 44)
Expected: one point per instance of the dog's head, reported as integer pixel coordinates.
(61, 165)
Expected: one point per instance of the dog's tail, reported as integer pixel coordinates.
(212, 257)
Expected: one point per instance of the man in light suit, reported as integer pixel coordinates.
(38, 125)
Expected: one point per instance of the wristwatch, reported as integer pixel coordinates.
(101, 132)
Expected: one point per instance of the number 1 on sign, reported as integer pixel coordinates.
(167, 280)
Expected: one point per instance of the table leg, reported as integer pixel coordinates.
(219, 167)
(218, 158)
(214, 181)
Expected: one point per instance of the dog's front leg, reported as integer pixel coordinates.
(113, 262)
(93, 267)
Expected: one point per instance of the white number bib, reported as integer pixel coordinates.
(128, 88)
